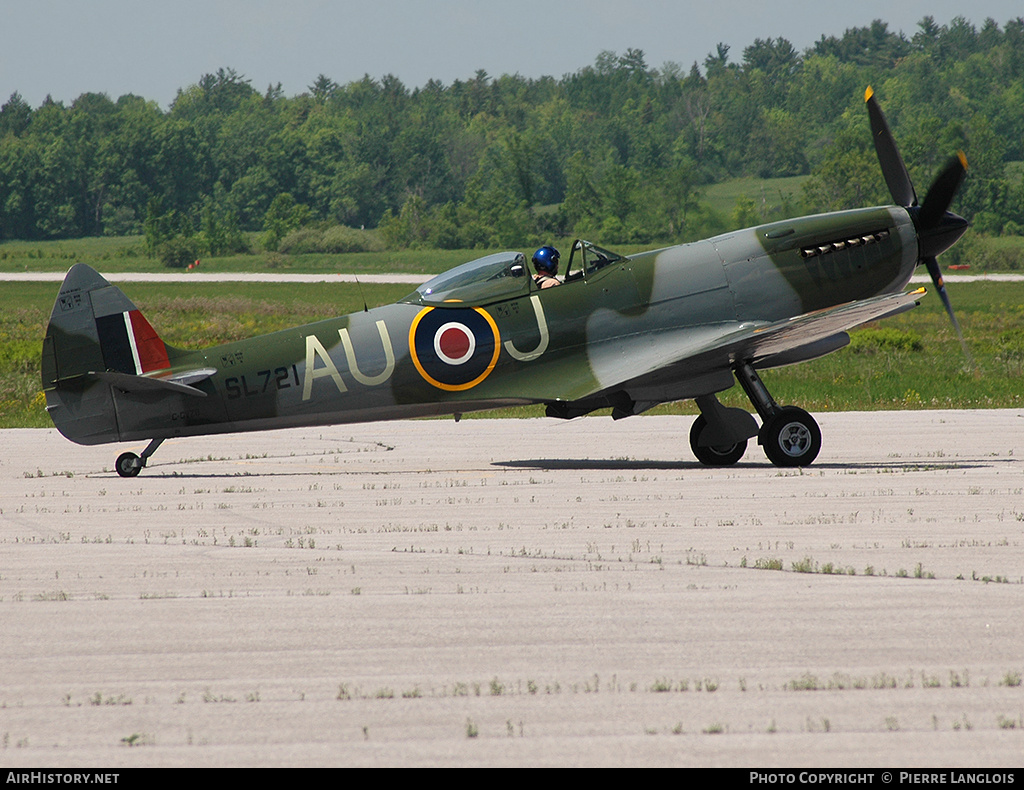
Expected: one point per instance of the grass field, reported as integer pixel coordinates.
(115, 255)
(767, 192)
(912, 361)
(127, 254)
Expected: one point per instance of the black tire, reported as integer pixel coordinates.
(791, 437)
(714, 456)
(128, 465)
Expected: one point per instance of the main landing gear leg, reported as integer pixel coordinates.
(130, 464)
(789, 436)
(718, 437)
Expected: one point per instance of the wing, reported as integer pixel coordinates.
(786, 342)
(686, 362)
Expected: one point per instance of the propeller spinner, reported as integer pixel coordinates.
(938, 228)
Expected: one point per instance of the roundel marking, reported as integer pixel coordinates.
(454, 349)
(454, 343)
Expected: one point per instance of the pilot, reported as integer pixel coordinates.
(545, 261)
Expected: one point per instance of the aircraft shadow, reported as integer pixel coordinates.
(631, 465)
(192, 470)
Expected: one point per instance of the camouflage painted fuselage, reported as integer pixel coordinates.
(659, 326)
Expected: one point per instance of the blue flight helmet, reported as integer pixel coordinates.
(546, 260)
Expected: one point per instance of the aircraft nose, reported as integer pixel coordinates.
(938, 238)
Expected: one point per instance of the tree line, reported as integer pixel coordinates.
(618, 151)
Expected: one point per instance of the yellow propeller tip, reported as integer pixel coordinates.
(869, 93)
(963, 158)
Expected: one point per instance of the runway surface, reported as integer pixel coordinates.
(502, 592)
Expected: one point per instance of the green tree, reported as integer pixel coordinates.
(161, 226)
(323, 89)
(848, 174)
(20, 170)
(410, 228)
(744, 213)
(219, 232)
(15, 116)
(283, 216)
(776, 145)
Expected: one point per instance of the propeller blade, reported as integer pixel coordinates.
(895, 172)
(932, 265)
(940, 195)
(937, 227)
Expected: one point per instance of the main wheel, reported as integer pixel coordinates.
(721, 455)
(791, 437)
(128, 465)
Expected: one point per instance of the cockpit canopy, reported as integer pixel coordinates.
(587, 259)
(489, 279)
(505, 275)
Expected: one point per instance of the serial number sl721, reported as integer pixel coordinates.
(276, 379)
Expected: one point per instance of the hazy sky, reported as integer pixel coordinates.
(68, 47)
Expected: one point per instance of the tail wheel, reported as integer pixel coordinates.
(722, 455)
(128, 465)
(791, 437)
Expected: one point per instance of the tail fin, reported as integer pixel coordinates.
(94, 331)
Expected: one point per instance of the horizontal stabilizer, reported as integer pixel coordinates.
(126, 382)
(192, 376)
